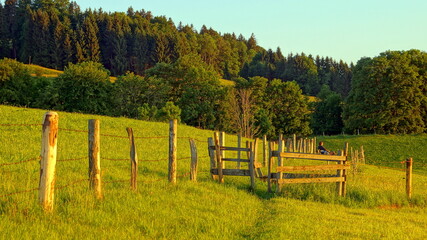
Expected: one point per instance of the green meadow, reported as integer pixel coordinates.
(376, 206)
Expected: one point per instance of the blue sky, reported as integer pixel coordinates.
(341, 29)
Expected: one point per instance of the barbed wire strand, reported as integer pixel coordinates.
(72, 159)
(20, 162)
(151, 137)
(116, 159)
(19, 125)
(15, 193)
(71, 184)
(73, 130)
(115, 136)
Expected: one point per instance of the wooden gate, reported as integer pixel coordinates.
(218, 160)
(298, 174)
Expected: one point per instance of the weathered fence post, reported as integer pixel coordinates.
(409, 162)
(133, 160)
(239, 154)
(270, 164)
(95, 158)
(48, 160)
(264, 150)
(172, 150)
(222, 143)
(294, 143)
(211, 145)
(218, 157)
(193, 165)
(342, 186)
(279, 163)
(252, 160)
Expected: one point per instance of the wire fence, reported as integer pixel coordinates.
(85, 180)
(181, 175)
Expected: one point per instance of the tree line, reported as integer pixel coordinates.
(53, 33)
(167, 71)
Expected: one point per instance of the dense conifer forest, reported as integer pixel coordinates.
(168, 69)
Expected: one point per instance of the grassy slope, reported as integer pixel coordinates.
(375, 208)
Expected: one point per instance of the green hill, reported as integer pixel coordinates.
(375, 208)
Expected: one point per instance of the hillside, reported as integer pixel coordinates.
(375, 207)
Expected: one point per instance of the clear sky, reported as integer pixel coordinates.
(341, 29)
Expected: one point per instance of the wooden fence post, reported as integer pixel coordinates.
(252, 161)
(48, 160)
(95, 158)
(279, 163)
(239, 154)
(193, 165)
(294, 143)
(218, 157)
(222, 143)
(342, 186)
(264, 150)
(212, 158)
(133, 160)
(270, 164)
(172, 150)
(409, 162)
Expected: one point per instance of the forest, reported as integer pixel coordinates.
(168, 70)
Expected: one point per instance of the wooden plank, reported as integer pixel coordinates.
(321, 157)
(234, 160)
(232, 172)
(48, 160)
(302, 175)
(223, 148)
(312, 180)
(312, 168)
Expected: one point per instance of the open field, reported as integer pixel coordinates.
(376, 206)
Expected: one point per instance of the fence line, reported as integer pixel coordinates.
(71, 184)
(72, 159)
(15, 193)
(151, 137)
(115, 136)
(18, 125)
(73, 130)
(21, 162)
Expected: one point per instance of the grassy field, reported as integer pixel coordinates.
(375, 208)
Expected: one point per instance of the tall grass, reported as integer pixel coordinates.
(376, 206)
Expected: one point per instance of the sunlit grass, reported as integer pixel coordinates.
(376, 206)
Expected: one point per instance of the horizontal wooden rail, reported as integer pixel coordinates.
(311, 180)
(309, 156)
(312, 168)
(235, 160)
(232, 172)
(222, 148)
(303, 175)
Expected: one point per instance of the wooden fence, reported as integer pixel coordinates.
(283, 149)
(217, 150)
(298, 174)
(48, 159)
